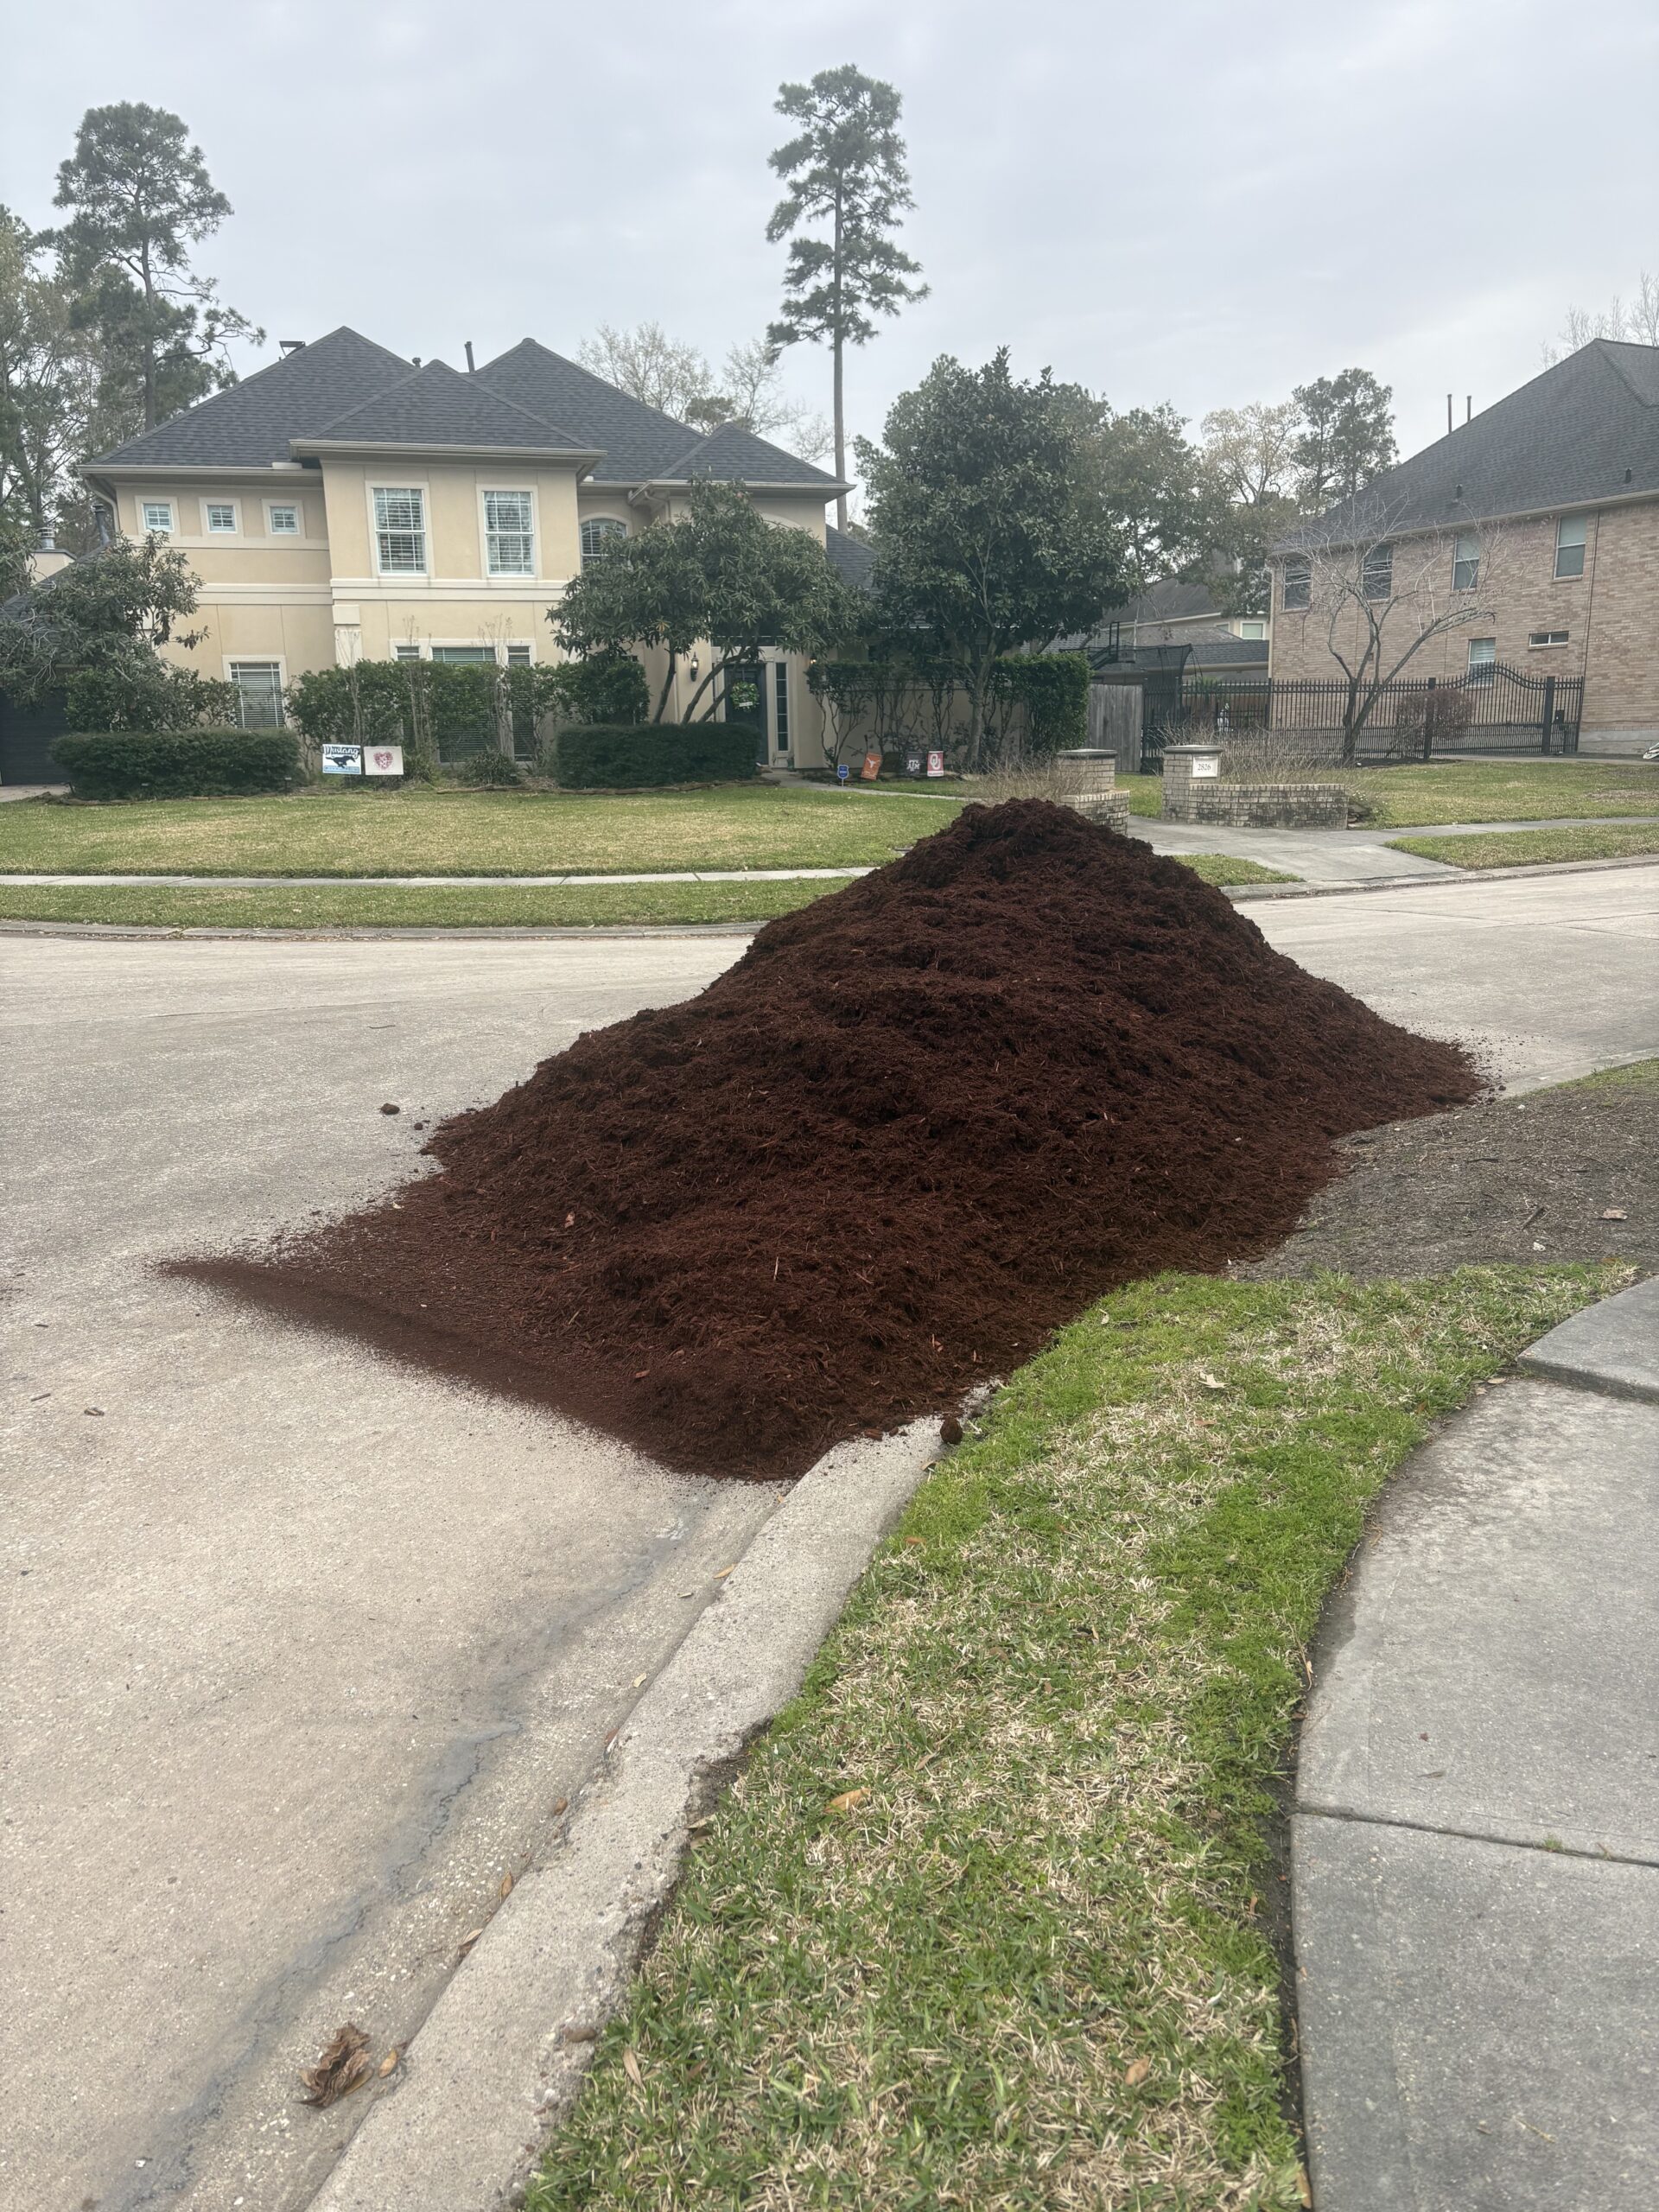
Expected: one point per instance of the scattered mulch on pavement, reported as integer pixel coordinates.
(1531, 1179)
(921, 1123)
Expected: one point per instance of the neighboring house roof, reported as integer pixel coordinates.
(250, 425)
(641, 444)
(1168, 600)
(1584, 431)
(437, 406)
(852, 559)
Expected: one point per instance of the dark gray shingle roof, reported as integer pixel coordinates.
(641, 444)
(438, 406)
(250, 425)
(1587, 430)
(1168, 600)
(853, 561)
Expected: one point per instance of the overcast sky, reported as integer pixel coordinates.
(1183, 200)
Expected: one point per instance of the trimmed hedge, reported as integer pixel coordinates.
(1053, 689)
(595, 756)
(179, 763)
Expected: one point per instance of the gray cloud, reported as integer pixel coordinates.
(1187, 201)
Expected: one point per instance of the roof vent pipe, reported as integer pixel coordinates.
(1448, 414)
(469, 357)
(1469, 408)
(416, 359)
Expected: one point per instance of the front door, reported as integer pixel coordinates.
(746, 701)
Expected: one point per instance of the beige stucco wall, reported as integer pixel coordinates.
(1611, 613)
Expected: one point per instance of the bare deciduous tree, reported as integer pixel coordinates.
(1634, 322)
(1380, 596)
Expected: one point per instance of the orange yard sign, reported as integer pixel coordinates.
(871, 769)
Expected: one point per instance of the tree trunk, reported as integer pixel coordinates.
(840, 410)
(149, 344)
(668, 684)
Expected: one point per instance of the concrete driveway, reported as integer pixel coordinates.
(304, 1648)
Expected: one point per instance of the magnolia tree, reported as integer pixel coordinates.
(722, 576)
(1382, 591)
(990, 532)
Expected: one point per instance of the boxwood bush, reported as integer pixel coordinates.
(178, 763)
(594, 756)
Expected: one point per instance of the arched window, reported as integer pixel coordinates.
(598, 535)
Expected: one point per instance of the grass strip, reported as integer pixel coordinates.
(1521, 848)
(1502, 790)
(314, 906)
(988, 1918)
(1635, 1075)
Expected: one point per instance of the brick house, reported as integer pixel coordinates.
(1528, 538)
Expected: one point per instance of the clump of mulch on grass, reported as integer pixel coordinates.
(919, 1124)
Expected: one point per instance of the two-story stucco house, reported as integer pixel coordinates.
(1531, 535)
(346, 503)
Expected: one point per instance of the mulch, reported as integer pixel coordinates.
(921, 1123)
(1527, 1180)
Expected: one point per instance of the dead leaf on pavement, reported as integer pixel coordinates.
(848, 1801)
(1136, 2072)
(342, 2068)
(506, 1885)
(467, 1941)
(1614, 1213)
(1304, 2189)
(631, 2068)
(388, 2063)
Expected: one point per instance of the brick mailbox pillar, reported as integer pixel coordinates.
(1184, 765)
(1089, 783)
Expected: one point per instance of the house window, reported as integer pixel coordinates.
(1571, 532)
(780, 705)
(221, 517)
(156, 516)
(1483, 659)
(518, 655)
(465, 655)
(598, 535)
(259, 687)
(1465, 560)
(1298, 588)
(400, 531)
(1376, 572)
(1252, 629)
(406, 652)
(1541, 638)
(509, 534)
(283, 521)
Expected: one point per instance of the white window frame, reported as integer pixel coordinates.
(524, 651)
(235, 507)
(278, 661)
(403, 652)
(1546, 641)
(156, 530)
(1469, 561)
(1298, 570)
(526, 492)
(1376, 571)
(1581, 545)
(1477, 670)
(296, 507)
(421, 491)
(608, 525)
(1253, 627)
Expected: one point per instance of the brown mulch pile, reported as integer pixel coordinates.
(921, 1123)
(1571, 1173)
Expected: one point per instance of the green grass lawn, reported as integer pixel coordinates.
(426, 832)
(988, 1919)
(1505, 791)
(1520, 848)
(349, 905)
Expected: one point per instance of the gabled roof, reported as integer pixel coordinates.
(250, 425)
(1170, 599)
(1584, 431)
(852, 558)
(641, 445)
(436, 406)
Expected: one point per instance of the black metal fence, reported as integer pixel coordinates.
(1494, 710)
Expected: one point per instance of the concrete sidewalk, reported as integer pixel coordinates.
(1475, 1839)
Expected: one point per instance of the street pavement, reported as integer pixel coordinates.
(306, 1647)
(1475, 1838)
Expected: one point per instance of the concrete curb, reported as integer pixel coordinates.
(501, 2055)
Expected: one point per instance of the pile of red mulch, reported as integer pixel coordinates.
(921, 1123)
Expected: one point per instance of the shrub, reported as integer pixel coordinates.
(605, 687)
(1054, 689)
(178, 763)
(601, 756)
(147, 695)
(490, 771)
